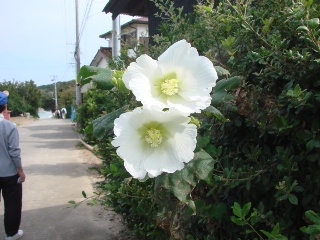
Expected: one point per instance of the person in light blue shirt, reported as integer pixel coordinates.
(11, 173)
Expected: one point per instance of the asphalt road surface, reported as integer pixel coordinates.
(57, 171)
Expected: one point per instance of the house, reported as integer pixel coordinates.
(101, 57)
(146, 8)
(132, 33)
(100, 60)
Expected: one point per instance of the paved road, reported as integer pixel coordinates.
(57, 172)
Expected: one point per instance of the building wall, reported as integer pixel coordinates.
(103, 63)
(137, 30)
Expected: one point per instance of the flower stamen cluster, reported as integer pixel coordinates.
(169, 87)
(153, 137)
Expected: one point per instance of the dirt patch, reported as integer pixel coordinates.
(19, 121)
(92, 162)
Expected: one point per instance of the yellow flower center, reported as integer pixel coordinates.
(169, 86)
(153, 137)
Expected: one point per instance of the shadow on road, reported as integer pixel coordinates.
(62, 222)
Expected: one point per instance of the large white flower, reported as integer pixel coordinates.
(153, 142)
(180, 79)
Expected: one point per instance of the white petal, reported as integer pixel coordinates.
(144, 66)
(184, 143)
(135, 170)
(177, 52)
(200, 78)
(162, 160)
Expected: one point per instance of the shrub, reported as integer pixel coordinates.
(255, 174)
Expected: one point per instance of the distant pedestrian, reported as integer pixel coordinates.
(11, 173)
(57, 113)
(63, 113)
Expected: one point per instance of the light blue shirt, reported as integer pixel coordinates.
(10, 158)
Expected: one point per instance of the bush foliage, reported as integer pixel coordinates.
(23, 97)
(256, 170)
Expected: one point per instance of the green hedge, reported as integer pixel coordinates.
(262, 153)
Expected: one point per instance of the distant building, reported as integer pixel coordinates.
(146, 8)
(133, 33)
(100, 60)
(101, 57)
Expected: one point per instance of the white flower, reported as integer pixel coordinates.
(180, 79)
(153, 142)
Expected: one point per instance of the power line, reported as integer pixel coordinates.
(86, 16)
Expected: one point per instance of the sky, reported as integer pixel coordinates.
(37, 38)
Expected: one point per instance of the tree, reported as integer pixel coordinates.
(23, 97)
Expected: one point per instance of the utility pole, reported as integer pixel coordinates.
(55, 92)
(77, 57)
(116, 37)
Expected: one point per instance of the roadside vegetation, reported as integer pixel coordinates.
(256, 171)
(27, 97)
(23, 97)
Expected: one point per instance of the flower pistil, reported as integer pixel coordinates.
(153, 137)
(169, 86)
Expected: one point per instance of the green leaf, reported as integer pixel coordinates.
(221, 71)
(113, 168)
(312, 216)
(237, 210)
(103, 126)
(313, 143)
(220, 91)
(118, 82)
(101, 77)
(313, 23)
(89, 129)
(216, 113)
(293, 199)
(303, 28)
(246, 208)
(275, 233)
(238, 221)
(181, 183)
(227, 84)
(217, 211)
(202, 141)
(84, 194)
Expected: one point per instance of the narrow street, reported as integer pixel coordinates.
(57, 171)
